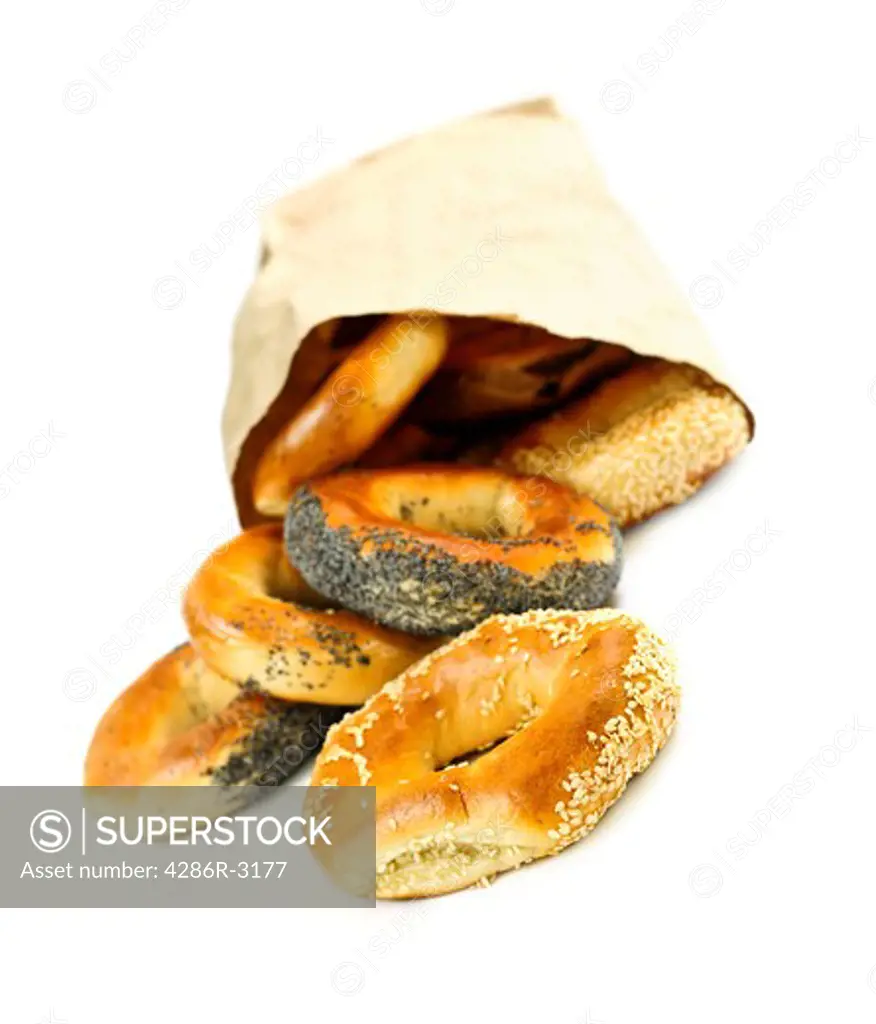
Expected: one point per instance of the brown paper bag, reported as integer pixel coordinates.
(504, 215)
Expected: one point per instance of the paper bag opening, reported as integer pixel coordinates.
(504, 215)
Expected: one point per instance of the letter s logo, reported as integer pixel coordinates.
(51, 831)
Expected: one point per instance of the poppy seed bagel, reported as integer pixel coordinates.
(435, 549)
(181, 724)
(252, 617)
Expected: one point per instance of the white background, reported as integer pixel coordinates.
(706, 894)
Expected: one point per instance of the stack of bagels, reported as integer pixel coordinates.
(425, 602)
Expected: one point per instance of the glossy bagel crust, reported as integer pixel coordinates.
(180, 724)
(578, 702)
(435, 549)
(495, 369)
(357, 403)
(253, 619)
(640, 442)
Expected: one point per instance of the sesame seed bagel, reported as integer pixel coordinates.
(357, 403)
(578, 703)
(435, 549)
(253, 619)
(180, 724)
(495, 368)
(640, 442)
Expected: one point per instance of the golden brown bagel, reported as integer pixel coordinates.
(253, 619)
(435, 549)
(640, 442)
(358, 402)
(582, 700)
(495, 368)
(320, 352)
(180, 724)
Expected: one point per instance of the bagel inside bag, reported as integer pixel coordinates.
(504, 215)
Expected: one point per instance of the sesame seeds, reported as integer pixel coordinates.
(337, 753)
(682, 427)
(490, 703)
(648, 682)
(358, 731)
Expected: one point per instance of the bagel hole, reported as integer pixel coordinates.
(488, 513)
(513, 727)
(282, 583)
(470, 756)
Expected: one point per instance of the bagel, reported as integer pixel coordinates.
(180, 724)
(435, 549)
(406, 443)
(495, 369)
(582, 700)
(253, 619)
(357, 403)
(640, 442)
